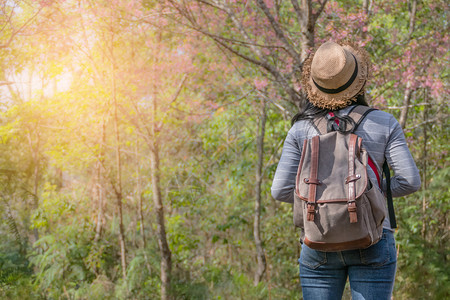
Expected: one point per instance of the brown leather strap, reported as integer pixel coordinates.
(358, 149)
(312, 181)
(352, 212)
(300, 166)
(313, 177)
(351, 173)
(353, 177)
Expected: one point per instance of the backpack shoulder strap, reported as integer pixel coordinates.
(358, 113)
(320, 124)
(390, 202)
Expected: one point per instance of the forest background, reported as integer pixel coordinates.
(139, 139)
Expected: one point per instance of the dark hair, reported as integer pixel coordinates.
(310, 111)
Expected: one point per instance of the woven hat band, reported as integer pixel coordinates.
(343, 87)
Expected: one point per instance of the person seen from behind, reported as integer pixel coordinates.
(335, 77)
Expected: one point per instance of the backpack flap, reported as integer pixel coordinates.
(333, 177)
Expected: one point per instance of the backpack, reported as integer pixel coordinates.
(335, 203)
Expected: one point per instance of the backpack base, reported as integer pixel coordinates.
(333, 247)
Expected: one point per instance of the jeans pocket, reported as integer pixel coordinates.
(312, 258)
(379, 254)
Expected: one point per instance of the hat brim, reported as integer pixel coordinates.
(346, 97)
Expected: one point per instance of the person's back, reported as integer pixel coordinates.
(371, 271)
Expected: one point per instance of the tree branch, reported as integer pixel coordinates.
(259, 59)
(427, 121)
(174, 98)
(319, 11)
(412, 105)
(276, 27)
(14, 33)
(298, 11)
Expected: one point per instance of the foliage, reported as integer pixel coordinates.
(89, 90)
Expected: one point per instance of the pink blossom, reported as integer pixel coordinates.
(212, 105)
(437, 88)
(45, 3)
(260, 83)
(428, 82)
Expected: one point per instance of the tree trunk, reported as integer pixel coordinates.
(307, 20)
(118, 185)
(140, 210)
(260, 255)
(406, 103)
(35, 192)
(424, 167)
(307, 24)
(166, 255)
(98, 185)
(366, 4)
(412, 18)
(99, 197)
(408, 90)
(119, 196)
(35, 154)
(366, 10)
(166, 260)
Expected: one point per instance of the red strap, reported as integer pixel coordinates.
(374, 168)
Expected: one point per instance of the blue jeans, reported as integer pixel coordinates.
(371, 271)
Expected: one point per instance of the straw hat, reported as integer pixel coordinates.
(335, 75)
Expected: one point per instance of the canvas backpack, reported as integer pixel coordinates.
(335, 203)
